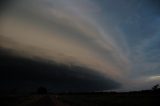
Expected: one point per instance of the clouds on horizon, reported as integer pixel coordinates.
(26, 75)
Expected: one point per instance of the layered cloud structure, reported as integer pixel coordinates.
(118, 39)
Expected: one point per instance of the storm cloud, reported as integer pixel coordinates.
(26, 75)
(117, 39)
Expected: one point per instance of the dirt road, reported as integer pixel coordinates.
(47, 100)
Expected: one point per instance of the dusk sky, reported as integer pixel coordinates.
(113, 41)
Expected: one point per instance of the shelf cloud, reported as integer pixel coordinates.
(118, 39)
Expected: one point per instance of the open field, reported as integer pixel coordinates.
(84, 99)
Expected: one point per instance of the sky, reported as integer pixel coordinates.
(113, 41)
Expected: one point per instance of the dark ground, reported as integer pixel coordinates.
(143, 98)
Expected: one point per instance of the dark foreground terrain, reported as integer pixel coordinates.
(143, 98)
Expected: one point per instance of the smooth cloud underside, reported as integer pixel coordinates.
(25, 74)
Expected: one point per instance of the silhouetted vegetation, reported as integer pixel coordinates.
(155, 87)
(42, 90)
